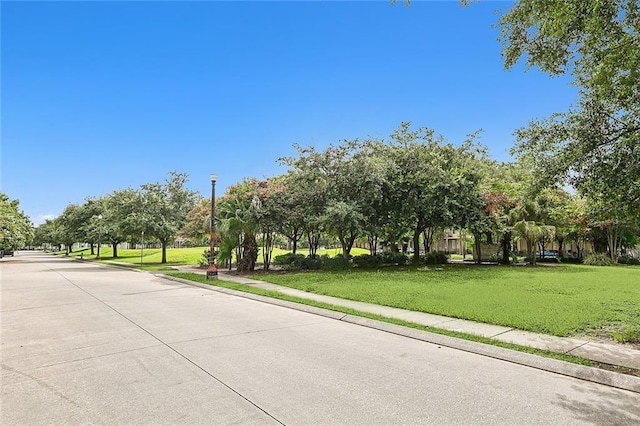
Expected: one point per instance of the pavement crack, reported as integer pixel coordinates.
(43, 384)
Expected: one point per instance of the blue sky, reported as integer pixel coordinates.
(99, 96)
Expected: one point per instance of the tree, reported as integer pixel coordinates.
(344, 220)
(595, 145)
(433, 181)
(123, 214)
(291, 215)
(162, 209)
(15, 227)
(197, 221)
(237, 209)
(71, 223)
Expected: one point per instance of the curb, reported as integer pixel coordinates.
(591, 374)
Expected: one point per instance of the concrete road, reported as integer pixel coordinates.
(84, 343)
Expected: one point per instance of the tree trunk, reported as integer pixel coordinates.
(477, 238)
(612, 241)
(92, 253)
(164, 251)
(267, 249)
(416, 245)
(489, 238)
(373, 244)
(506, 248)
(427, 242)
(115, 249)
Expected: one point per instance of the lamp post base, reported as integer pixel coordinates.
(212, 273)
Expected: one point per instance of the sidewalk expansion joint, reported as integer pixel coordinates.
(577, 347)
(501, 333)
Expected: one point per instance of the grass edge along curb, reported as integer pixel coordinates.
(559, 363)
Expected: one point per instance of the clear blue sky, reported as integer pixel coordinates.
(99, 96)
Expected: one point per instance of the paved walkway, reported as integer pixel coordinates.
(615, 354)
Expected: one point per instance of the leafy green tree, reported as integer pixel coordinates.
(122, 213)
(162, 209)
(309, 182)
(16, 230)
(49, 233)
(283, 199)
(344, 220)
(434, 181)
(71, 223)
(595, 145)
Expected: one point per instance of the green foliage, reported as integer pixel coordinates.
(367, 261)
(391, 258)
(435, 258)
(597, 259)
(628, 260)
(289, 261)
(204, 259)
(15, 226)
(571, 260)
(595, 145)
(630, 334)
(334, 263)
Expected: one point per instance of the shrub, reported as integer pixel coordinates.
(434, 258)
(390, 258)
(334, 263)
(289, 261)
(597, 259)
(367, 261)
(309, 264)
(628, 260)
(574, 260)
(204, 259)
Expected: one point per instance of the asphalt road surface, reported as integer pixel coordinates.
(84, 343)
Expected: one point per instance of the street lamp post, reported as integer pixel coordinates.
(212, 272)
(99, 230)
(142, 248)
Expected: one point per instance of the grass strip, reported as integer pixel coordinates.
(466, 336)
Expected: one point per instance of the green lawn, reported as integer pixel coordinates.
(559, 300)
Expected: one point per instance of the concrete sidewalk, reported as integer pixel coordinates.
(615, 354)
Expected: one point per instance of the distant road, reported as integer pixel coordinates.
(84, 343)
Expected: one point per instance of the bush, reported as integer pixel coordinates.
(435, 258)
(574, 260)
(390, 258)
(628, 260)
(204, 259)
(309, 264)
(597, 259)
(289, 261)
(367, 261)
(334, 263)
